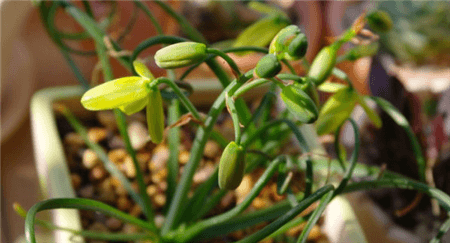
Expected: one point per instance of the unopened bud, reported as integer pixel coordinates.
(231, 167)
(180, 55)
(268, 66)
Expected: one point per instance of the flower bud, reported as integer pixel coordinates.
(155, 116)
(134, 106)
(115, 93)
(180, 55)
(290, 43)
(323, 64)
(336, 110)
(379, 21)
(268, 66)
(362, 51)
(297, 48)
(231, 166)
(299, 103)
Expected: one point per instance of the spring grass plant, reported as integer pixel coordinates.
(256, 133)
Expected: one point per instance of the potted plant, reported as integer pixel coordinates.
(130, 94)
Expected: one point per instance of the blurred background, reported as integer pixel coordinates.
(412, 72)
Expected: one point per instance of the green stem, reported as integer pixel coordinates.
(149, 14)
(290, 67)
(253, 84)
(274, 226)
(186, 102)
(262, 130)
(353, 159)
(286, 227)
(78, 203)
(229, 50)
(225, 57)
(44, 18)
(176, 206)
(288, 76)
(402, 183)
(91, 27)
(173, 115)
(315, 217)
(121, 123)
(234, 116)
(193, 34)
(263, 180)
(342, 75)
(442, 230)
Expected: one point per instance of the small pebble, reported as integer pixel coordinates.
(260, 203)
(159, 158)
(315, 233)
(97, 173)
(159, 199)
(123, 204)
(135, 211)
(87, 191)
(121, 190)
(99, 227)
(113, 224)
(138, 135)
(227, 200)
(152, 190)
(203, 174)
(73, 139)
(128, 167)
(97, 134)
(143, 159)
(107, 119)
(90, 159)
(273, 193)
(139, 116)
(159, 220)
(212, 149)
(162, 186)
(107, 196)
(135, 186)
(244, 188)
(117, 155)
(295, 231)
(160, 176)
(130, 229)
(183, 157)
(116, 142)
(76, 180)
(267, 241)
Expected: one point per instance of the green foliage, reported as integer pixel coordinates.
(257, 145)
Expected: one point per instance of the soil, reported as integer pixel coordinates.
(91, 180)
